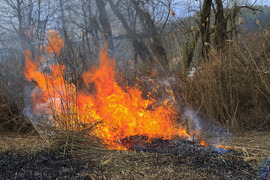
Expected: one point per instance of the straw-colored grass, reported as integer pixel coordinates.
(233, 88)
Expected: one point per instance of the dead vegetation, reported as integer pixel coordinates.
(11, 116)
(233, 87)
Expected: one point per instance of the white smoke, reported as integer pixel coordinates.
(193, 119)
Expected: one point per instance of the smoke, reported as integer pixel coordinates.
(191, 116)
(215, 135)
(39, 116)
(28, 110)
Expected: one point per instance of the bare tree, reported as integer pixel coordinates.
(137, 43)
(149, 26)
(27, 19)
(147, 33)
(105, 23)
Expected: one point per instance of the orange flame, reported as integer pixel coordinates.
(115, 112)
(203, 143)
(55, 42)
(220, 146)
(197, 134)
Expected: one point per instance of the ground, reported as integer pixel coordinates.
(252, 147)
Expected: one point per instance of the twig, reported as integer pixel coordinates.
(42, 135)
(122, 145)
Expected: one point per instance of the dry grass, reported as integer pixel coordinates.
(11, 117)
(254, 142)
(233, 88)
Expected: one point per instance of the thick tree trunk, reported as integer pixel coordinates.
(204, 27)
(221, 25)
(235, 11)
(105, 23)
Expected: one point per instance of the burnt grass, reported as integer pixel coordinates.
(158, 159)
(40, 165)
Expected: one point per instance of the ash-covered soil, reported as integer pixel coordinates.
(222, 163)
(159, 159)
(167, 154)
(40, 165)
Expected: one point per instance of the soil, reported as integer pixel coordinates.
(30, 156)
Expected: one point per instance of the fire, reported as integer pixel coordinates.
(203, 143)
(222, 147)
(55, 42)
(113, 112)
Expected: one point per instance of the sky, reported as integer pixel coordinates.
(262, 2)
(259, 2)
(184, 8)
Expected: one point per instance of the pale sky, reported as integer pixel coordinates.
(185, 8)
(260, 2)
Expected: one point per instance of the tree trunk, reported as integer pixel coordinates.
(221, 25)
(63, 20)
(233, 15)
(155, 41)
(105, 23)
(204, 27)
(138, 45)
(21, 27)
(190, 48)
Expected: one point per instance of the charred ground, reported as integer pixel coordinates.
(30, 156)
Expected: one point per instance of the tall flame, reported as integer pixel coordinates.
(114, 112)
